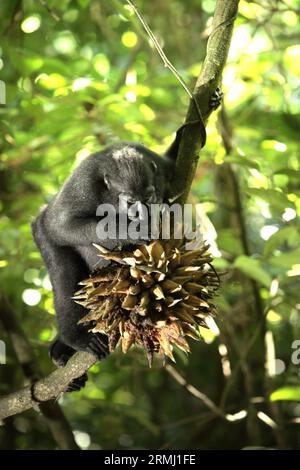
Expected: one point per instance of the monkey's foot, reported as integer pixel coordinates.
(98, 346)
(216, 98)
(60, 353)
(77, 384)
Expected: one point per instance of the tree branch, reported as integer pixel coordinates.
(204, 398)
(46, 389)
(227, 138)
(208, 80)
(53, 415)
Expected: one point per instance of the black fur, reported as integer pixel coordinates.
(66, 228)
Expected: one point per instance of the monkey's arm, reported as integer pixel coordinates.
(71, 229)
(66, 268)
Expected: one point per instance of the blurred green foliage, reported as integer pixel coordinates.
(80, 74)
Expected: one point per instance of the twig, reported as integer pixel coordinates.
(199, 121)
(49, 10)
(47, 388)
(16, 13)
(56, 420)
(159, 49)
(208, 80)
(204, 398)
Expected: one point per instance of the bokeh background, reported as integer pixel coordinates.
(81, 74)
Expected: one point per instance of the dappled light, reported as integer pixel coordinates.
(82, 75)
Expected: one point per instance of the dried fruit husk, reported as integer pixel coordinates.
(153, 296)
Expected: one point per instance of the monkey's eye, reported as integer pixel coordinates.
(107, 180)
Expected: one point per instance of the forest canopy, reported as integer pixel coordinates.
(82, 74)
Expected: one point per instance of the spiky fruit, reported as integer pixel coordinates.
(153, 296)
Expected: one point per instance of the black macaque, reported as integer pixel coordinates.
(65, 231)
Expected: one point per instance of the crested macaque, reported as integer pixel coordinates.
(127, 176)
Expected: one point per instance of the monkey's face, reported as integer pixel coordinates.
(136, 204)
(137, 184)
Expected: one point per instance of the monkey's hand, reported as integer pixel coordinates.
(98, 345)
(79, 339)
(82, 340)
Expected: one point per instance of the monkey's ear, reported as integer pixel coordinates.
(154, 166)
(107, 180)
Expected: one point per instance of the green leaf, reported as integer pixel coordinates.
(228, 242)
(286, 393)
(243, 161)
(287, 171)
(275, 198)
(83, 3)
(252, 268)
(289, 235)
(286, 260)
